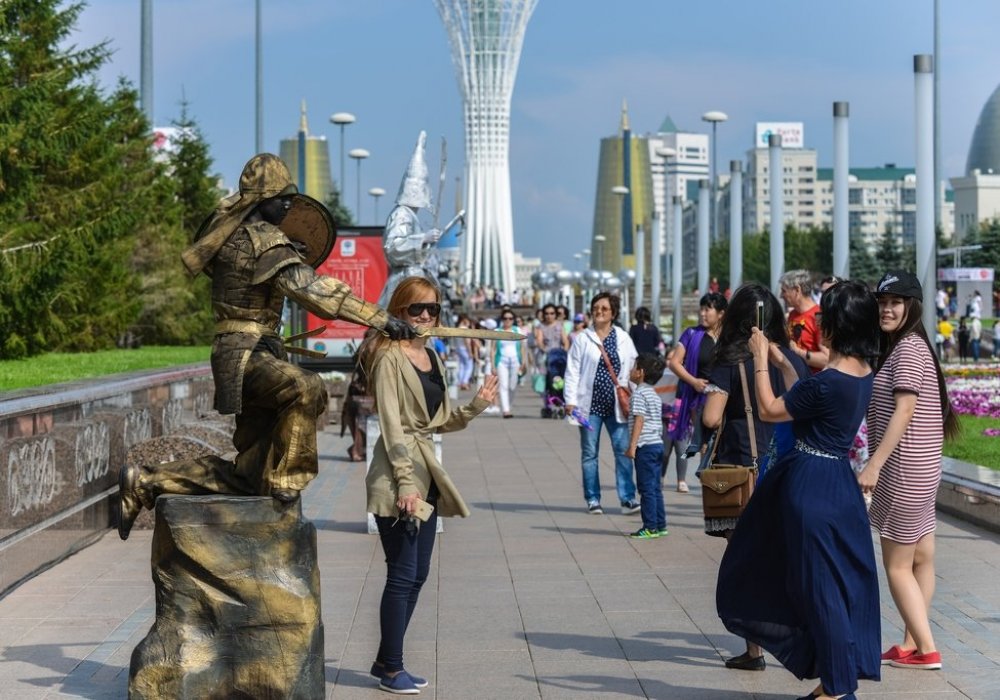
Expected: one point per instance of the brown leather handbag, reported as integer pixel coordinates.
(726, 488)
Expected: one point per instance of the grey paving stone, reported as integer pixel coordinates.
(531, 597)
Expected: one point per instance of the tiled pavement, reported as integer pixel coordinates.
(531, 597)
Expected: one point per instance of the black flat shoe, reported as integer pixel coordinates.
(745, 662)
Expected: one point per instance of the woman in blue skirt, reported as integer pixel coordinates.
(799, 576)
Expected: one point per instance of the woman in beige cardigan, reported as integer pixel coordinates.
(412, 404)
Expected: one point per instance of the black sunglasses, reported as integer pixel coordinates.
(506, 318)
(433, 309)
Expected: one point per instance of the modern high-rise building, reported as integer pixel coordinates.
(318, 182)
(624, 162)
(486, 38)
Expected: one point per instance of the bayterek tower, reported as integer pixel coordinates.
(486, 38)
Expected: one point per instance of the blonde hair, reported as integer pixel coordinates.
(375, 343)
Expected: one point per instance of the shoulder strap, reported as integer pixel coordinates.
(750, 426)
(749, 410)
(607, 363)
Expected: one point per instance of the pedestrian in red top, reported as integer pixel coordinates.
(803, 326)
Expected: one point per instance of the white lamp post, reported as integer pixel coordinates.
(714, 118)
(342, 119)
(599, 250)
(375, 193)
(359, 154)
(620, 191)
(661, 232)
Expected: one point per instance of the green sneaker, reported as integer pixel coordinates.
(644, 534)
(662, 533)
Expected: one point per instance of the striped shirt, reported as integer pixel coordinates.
(646, 402)
(902, 507)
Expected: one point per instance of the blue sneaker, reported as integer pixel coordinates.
(378, 670)
(400, 684)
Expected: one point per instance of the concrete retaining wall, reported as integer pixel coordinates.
(60, 450)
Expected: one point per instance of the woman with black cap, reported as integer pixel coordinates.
(908, 419)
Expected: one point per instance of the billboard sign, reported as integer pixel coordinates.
(357, 259)
(792, 134)
(965, 274)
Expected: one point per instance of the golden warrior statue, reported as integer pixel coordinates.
(254, 266)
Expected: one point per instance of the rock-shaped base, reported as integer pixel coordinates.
(237, 602)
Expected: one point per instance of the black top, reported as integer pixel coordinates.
(734, 442)
(433, 384)
(706, 353)
(645, 337)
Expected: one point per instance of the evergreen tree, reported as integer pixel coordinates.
(889, 254)
(341, 214)
(176, 310)
(77, 181)
(863, 265)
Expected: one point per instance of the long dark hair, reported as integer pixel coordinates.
(913, 324)
(741, 316)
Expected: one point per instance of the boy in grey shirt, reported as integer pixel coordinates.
(646, 445)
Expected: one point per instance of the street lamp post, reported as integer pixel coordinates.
(375, 193)
(620, 191)
(599, 250)
(359, 154)
(661, 233)
(342, 119)
(714, 117)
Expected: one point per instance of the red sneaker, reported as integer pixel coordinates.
(930, 661)
(896, 652)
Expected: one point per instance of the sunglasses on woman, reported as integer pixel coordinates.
(433, 309)
(506, 318)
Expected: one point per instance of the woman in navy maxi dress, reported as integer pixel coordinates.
(799, 577)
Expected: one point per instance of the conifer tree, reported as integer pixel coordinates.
(76, 182)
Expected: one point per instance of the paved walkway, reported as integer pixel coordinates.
(531, 597)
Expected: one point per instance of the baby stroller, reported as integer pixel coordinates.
(555, 369)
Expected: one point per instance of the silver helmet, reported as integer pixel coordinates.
(414, 190)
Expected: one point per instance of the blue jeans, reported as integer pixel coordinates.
(590, 441)
(647, 472)
(408, 560)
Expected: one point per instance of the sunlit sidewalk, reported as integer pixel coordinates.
(531, 597)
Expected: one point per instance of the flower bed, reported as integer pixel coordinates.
(974, 391)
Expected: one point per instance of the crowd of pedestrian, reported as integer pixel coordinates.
(788, 390)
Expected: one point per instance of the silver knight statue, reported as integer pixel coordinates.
(409, 248)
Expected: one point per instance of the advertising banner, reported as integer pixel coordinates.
(357, 259)
(792, 134)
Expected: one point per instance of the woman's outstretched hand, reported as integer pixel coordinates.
(488, 391)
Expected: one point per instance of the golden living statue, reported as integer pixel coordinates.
(234, 563)
(259, 247)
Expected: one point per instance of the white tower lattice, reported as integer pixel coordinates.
(486, 38)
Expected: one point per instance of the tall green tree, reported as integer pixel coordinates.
(76, 182)
(341, 214)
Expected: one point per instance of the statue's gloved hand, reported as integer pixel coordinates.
(431, 237)
(397, 329)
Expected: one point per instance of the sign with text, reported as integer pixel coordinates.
(792, 134)
(357, 259)
(965, 274)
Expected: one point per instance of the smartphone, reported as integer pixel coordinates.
(422, 510)
(760, 315)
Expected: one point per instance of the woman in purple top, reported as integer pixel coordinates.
(691, 362)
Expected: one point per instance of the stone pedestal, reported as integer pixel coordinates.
(237, 603)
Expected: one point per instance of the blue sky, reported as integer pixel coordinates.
(388, 62)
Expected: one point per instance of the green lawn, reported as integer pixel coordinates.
(972, 446)
(56, 367)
